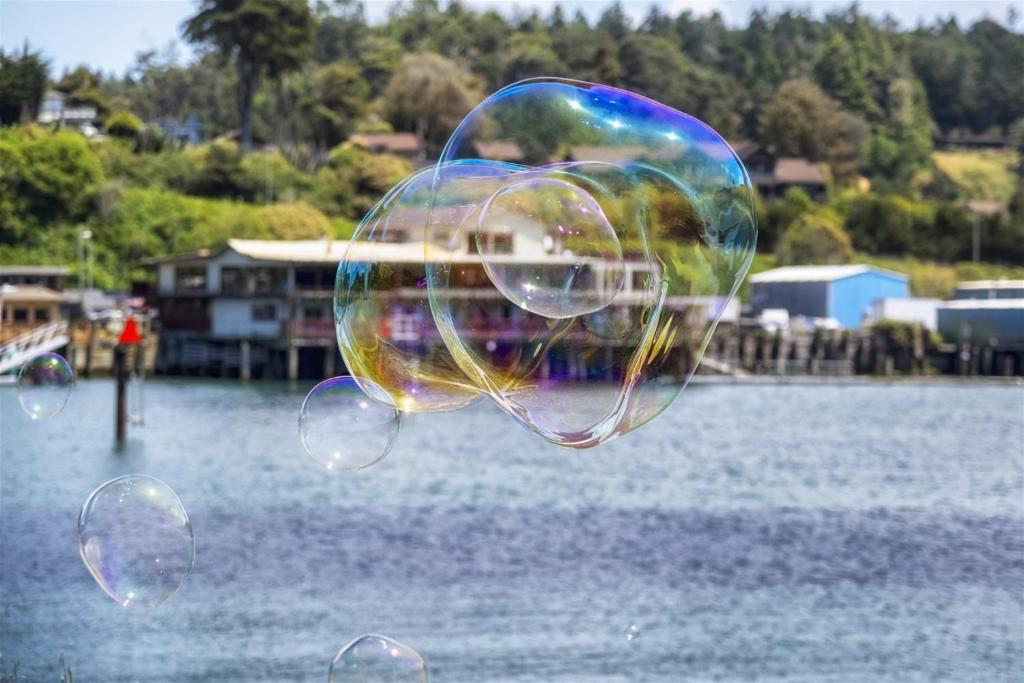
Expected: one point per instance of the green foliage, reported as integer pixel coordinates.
(814, 240)
(261, 36)
(802, 121)
(22, 84)
(219, 173)
(353, 181)
(295, 221)
(988, 174)
(429, 95)
(59, 177)
(778, 215)
(84, 87)
(123, 124)
(339, 98)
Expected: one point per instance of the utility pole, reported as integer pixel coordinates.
(976, 238)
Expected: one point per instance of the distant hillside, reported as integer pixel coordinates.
(984, 174)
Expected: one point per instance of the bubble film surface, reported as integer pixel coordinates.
(577, 244)
(377, 659)
(44, 386)
(347, 425)
(136, 539)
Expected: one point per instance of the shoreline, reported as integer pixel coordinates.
(857, 380)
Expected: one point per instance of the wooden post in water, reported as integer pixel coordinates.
(245, 361)
(121, 376)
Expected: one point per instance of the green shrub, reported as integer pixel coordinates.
(123, 124)
(295, 221)
(814, 240)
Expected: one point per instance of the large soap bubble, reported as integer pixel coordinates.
(377, 659)
(345, 425)
(577, 287)
(136, 540)
(44, 385)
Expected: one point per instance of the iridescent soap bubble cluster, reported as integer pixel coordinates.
(568, 256)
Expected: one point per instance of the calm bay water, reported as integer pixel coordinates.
(769, 533)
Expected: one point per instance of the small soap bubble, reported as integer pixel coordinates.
(136, 540)
(377, 659)
(345, 424)
(44, 386)
(578, 266)
(633, 632)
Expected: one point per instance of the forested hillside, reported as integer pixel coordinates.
(864, 98)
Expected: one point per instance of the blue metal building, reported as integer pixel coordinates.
(844, 293)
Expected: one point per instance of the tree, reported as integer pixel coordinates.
(82, 86)
(429, 95)
(801, 120)
(529, 55)
(840, 75)
(261, 36)
(123, 124)
(339, 97)
(814, 240)
(298, 221)
(22, 84)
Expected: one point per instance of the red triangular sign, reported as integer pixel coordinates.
(130, 334)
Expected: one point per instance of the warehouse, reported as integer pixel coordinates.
(841, 293)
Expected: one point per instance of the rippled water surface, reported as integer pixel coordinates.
(770, 533)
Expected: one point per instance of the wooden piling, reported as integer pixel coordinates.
(245, 361)
(293, 362)
(120, 411)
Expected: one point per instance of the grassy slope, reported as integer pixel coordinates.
(983, 175)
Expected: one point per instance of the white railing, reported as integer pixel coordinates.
(43, 339)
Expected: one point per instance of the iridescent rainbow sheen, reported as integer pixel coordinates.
(576, 280)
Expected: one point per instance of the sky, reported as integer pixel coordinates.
(107, 34)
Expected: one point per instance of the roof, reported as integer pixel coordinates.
(621, 154)
(988, 207)
(499, 150)
(197, 255)
(991, 284)
(34, 270)
(30, 293)
(820, 273)
(796, 171)
(978, 304)
(746, 148)
(327, 251)
(391, 142)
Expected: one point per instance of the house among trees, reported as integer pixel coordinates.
(54, 110)
(189, 133)
(774, 176)
(499, 150)
(405, 145)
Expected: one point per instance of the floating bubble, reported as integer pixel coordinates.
(632, 632)
(377, 659)
(44, 385)
(345, 424)
(578, 267)
(136, 540)
(576, 287)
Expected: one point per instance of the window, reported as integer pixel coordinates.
(21, 315)
(264, 312)
(190, 279)
(502, 244)
(42, 315)
(232, 280)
